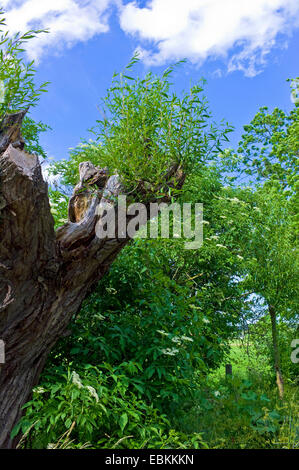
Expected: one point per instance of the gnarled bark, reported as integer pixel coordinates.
(45, 275)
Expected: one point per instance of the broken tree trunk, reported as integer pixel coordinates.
(45, 275)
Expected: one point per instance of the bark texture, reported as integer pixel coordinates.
(279, 378)
(45, 275)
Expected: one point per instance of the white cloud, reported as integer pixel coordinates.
(241, 32)
(199, 29)
(69, 21)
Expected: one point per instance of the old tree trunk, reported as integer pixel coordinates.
(44, 275)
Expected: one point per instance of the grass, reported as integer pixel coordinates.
(243, 411)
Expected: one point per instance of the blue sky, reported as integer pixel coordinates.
(245, 49)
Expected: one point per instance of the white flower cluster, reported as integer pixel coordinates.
(175, 339)
(77, 381)
(170, 352)
(39, 390)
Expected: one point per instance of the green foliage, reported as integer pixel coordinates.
(31, 132)
(239, 416)
(99, 409)
(242, 411)
(269, 148)
(159, 321)
(17, 87)
(162, 317)
(267, 235)
(261, 225)
(288, 437)
(259, 335)
(144, 321)
(16, 76)
(67, 169)
(59, 206)
(145, 129)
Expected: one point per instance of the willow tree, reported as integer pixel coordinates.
(145, 144)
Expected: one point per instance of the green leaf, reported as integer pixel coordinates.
(68, 423)
(123, 421)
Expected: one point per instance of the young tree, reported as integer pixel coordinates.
(273, 267)
(268, 153)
